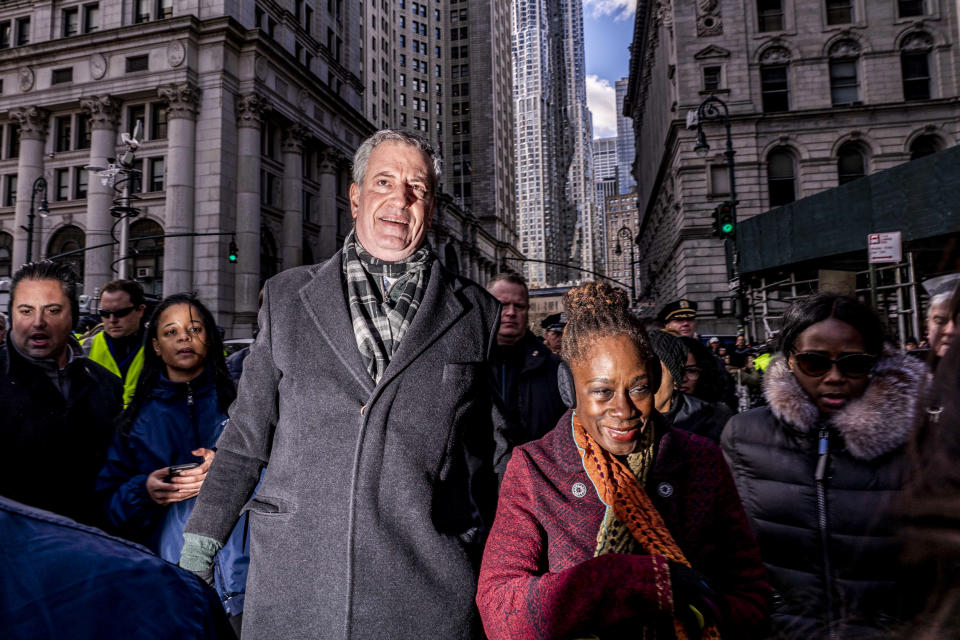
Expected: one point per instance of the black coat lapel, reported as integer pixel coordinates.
(326, 304)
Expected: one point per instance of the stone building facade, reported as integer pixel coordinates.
(623, 222)
(251, 113)
(819, 94)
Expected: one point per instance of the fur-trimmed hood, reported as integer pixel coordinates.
(874, 424)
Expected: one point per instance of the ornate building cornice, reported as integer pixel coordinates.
(293, 138)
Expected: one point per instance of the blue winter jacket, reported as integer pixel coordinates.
(177, 418)
(60, 579)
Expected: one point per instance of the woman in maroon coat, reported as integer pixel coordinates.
(613, 525)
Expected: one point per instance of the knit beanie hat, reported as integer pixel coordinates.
(670, 351)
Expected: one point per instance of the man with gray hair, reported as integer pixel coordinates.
(366, 403)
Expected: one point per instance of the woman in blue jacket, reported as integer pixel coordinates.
(175, 417)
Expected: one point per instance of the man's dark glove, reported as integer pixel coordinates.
(694, 601)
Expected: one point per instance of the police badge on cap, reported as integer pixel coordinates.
(679, 310)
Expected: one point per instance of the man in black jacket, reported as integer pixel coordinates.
(57, 405)
(524, 369)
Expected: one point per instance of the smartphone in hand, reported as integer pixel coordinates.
(175, 469)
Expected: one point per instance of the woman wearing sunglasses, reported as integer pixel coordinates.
(819, 468)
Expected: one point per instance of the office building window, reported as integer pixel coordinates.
(63, 130)
(156, 175)
(23, 31)
(770, 15)
(924, 146)
(60, 76)
(91, 17)
(774, 90)
(711, 78)
(910, 8)
(4, 34)
(136, 113)
(61, 184)
(141, 11)
(10, 192)
(915, 70)
(158, 121)
(70, 21)
(13, 140)
(82, 177)
(137, 63)
(781, 177)
(844, 88)
(850, 163)
(839, 11)
(83, 131)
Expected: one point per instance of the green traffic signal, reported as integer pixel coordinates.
(232, 255)
(727, 228)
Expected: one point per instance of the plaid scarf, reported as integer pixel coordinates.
(381, 313)
(630, 512)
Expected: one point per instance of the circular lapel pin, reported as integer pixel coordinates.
(579, 489)
(665, 489)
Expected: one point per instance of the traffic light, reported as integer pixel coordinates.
(724, 221)
(232, 255)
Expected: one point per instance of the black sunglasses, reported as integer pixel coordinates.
(853, 365)
(120, 313)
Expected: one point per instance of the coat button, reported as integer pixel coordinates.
(665, 489)
(579, 489)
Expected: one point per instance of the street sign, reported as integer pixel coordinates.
(884, 247)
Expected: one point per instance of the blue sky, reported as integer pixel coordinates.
(607, 31)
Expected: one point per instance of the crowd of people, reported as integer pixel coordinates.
(398, 455)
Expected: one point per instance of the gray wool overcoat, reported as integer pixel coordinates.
(373, 507)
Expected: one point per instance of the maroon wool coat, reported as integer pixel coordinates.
(539, 578)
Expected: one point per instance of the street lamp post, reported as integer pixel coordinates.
(39, 186)
(714, 109)
(626, 233)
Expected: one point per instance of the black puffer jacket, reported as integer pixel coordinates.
(697, 416)
(824, 522)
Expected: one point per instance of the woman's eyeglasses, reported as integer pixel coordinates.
(853, 365)
(120, 313)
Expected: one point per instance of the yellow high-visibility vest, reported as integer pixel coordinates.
(100, 353)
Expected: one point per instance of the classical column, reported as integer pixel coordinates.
(104, 112)
(328, 166)
(250, 110)
(293, 196)
(183, 99)
(34, 124)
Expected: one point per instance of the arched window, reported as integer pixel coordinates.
(269, 262)
(781, 177)
(774, 83)
(68, 238)
(146, 265)
(450, 259)
(6, 254)
(851, 163)
(924, 146)
(844, 83)
(915, 65)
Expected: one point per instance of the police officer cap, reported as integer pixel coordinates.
(679, 310)
(554, 322)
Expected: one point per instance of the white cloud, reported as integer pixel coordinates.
(620, 9)
(602, 100)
